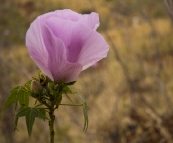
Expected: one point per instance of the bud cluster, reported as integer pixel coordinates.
(46, 91)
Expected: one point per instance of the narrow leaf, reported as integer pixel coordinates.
(69, 98)
(85, 112)
(81, 98)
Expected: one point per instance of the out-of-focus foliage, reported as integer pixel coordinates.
(129, 93)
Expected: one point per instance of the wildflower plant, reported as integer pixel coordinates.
(62, 44)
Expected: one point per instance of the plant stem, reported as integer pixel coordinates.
(51, 125)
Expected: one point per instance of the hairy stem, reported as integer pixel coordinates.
(51, 125)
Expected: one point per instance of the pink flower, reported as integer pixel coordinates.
(63, 43)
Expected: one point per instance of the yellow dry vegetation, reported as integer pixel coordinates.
(129, 93)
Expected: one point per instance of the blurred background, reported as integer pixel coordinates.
(130, 93)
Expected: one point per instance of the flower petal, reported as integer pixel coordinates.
(36, 47)
(49, 53)
(67, 14)
(60, 68)
(62, 43)
(90, 20)
(83, 45)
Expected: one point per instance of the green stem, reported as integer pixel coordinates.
(45, 103)
(51, 125)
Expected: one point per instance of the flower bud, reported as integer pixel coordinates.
(36, 88)
(42, 78)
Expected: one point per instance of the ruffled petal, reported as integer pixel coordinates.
(83, 45)
(68, 32)
(90, 20)
(94, 48)
(60, 68)
(67, 14)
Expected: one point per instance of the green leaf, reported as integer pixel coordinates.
(69, 98)
(43, 111)
(52, 90)
(81, 98)
(15, 123)
(20, 94)
(23, 98)
(85, 112)
(30, 114)
(59, 99)
(27, 85)
(13, 98)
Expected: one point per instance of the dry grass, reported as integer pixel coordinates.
(129, 92)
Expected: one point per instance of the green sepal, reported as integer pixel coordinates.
(30, 114)
(71, 83)
(52, 89)
(43, 79)
(66, 90)
(59, 99)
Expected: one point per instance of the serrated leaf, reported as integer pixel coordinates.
(30, 114)
(16, 121)
(43, 111)
(17, 94)
(13, 98)
(23, 98)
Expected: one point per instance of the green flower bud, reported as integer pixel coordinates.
(44, 92)
(36, 88)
